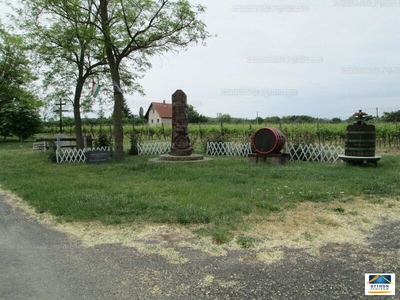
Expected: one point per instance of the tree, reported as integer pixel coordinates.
(259, 120)
(194, 116)
(20, 120)
(272, 120)
(18, 105)
(139, 29)
(141, 113)
(66, 49)
(224, 118)
(16, 76)
(336, 120)
(393, 116)
(126, 111)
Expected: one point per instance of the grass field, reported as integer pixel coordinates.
(223, 195)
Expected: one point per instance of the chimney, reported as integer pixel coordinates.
(163, 102)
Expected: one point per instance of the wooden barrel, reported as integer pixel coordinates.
(268, 140)
(360, 140)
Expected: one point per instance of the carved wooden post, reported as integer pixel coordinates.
(180, 144)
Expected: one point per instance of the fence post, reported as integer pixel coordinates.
(85, 142)
(58, 143)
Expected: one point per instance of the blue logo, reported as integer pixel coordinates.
(380, 284)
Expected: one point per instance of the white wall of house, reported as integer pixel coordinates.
(155, 119)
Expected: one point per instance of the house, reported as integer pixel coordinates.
(159, 113)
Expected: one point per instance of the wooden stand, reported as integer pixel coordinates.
(276, 158)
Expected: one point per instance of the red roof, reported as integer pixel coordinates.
(163, 109)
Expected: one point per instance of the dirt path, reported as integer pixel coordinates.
(315, 252)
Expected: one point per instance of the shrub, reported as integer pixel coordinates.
(52, 152)
(135, 139)
(103, 141)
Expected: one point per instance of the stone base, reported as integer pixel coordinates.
(175, 158)
(357, 160)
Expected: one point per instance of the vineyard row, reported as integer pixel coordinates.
(387, 133)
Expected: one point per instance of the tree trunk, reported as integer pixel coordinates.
(118, 128)
(77, 115)
(78, 126)
(118, 96)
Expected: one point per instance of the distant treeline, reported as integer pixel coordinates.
(195, 118)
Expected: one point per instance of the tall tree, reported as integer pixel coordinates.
(20, 120)
(393, 116)
(194, 116)
(66, 49)
(18, 104)
(141, 113)
(16, 77)
(139, 29)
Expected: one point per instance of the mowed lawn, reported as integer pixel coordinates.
(223, 193)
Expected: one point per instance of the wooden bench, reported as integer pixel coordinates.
(64, 142)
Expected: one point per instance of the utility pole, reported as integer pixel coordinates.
(60, 110)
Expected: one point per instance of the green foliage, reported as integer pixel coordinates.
(19, 120)
(18, 115)
(245, 241)
(15, 69)
(221, 235)
(134, 140)
(393, 116)
(194, 116)
(224, 118)
(52, 152)
(103, 140)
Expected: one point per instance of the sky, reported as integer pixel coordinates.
(322, 58)
(277, 58)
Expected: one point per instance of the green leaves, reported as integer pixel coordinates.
(20, 120)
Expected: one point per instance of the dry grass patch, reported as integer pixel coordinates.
(308, 226)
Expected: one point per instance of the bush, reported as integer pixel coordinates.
(135, 139)
(103, 141)
(52, 152)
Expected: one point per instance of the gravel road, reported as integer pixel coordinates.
(37, 262)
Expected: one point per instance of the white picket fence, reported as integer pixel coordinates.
(75, 155)
(154, 148)
(323, 153)
(229, 149)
